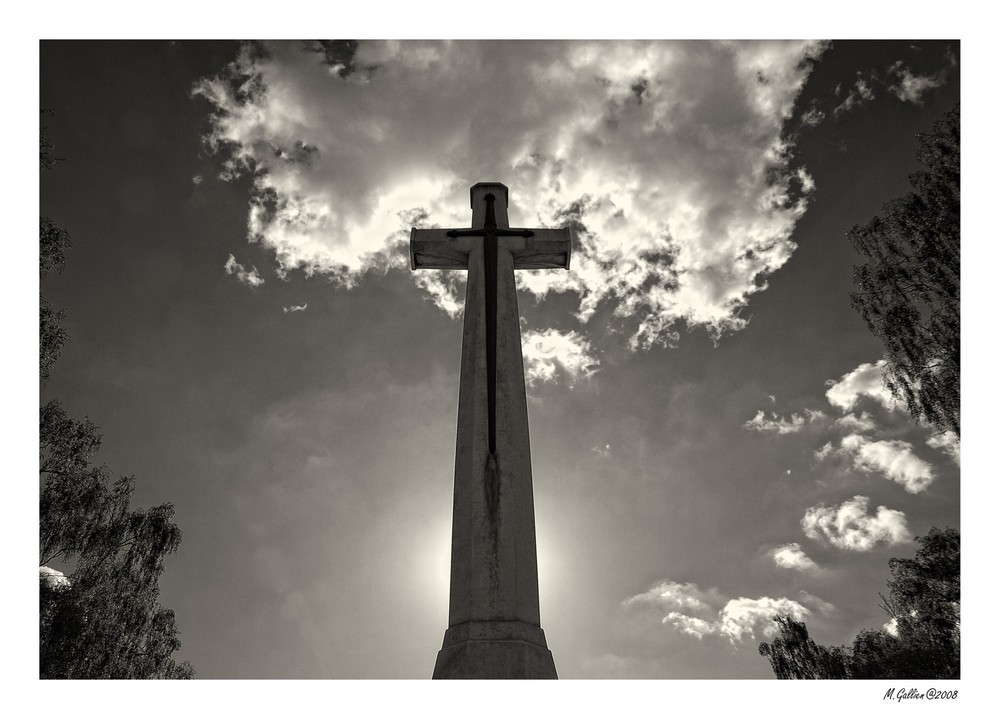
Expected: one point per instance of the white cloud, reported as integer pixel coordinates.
(893, 458)
(812, 117)
(691, 625)
(791, 556)
(602, 450)
(670, 156)
(699, 613)
(861, 92)
(816, 603)
(550, 352)
(891, 628)
(446, 289)
(250, 277)
(807, 181)
(53, 577)
(780, 425)
(676, 595)
(745, 617)
(911, 88)
(856, 423)
(775, 423)
(296, 308)
(948, 443)
(851, 527)
(865, 381)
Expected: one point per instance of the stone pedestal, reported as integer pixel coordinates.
(494, 650)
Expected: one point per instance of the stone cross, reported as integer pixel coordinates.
(494, 630)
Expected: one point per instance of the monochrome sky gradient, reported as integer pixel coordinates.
(711, 441)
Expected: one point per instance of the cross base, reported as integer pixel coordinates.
(496, 649)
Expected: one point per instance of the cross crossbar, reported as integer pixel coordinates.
(533, 249)
(530, 249)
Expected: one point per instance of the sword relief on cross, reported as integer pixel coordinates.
(494, 627)
(453, 249)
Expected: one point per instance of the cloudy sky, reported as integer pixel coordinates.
(711, 441)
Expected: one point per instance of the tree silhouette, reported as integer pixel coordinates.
(908, 291)
(102, 621)
(923, 606)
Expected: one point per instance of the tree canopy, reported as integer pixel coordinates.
(102, 620)
(53, 241)
(923, 643)
(908, 290)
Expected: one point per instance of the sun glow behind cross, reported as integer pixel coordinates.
(430, 570)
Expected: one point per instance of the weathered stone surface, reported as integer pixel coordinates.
(494, 626)
(494, 650)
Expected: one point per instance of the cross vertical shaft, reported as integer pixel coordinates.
(494, 628)
(490, 261)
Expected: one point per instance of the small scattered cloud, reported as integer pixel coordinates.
(863, 422)
(296, 308)
(602, 450)
(892, 458)
(812, 116)
(948, 443)
(700, 613)
(859, 93)
(676, 596)
(865, 381)
(817, 604)
(197, 179)
(850, 527)
(825, 451)
(791, 556)
(691, 625)
(780, 425)
(891, 628)
(910, 87)
(746, 617)
(805, 180)
(855, 434)
(445, 289)
(250, 277)
(53, 577)
(898, 80)
(550, 353)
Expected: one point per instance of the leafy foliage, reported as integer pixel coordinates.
(46, 149)
(52, 336)
(104, 622)
(793, 655)
(924, 603)
(53, 242)
(908, 292)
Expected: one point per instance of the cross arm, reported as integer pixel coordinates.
(536, 249)
(434, 250)
(545, 249)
